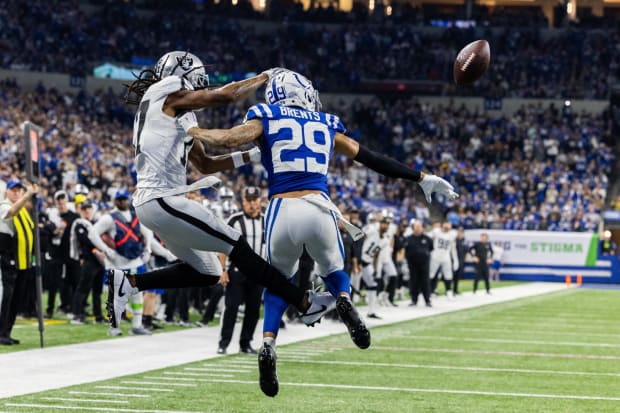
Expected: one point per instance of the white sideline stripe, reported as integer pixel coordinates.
(173, 373)
(532, 331)
(218, 370)
(69, 399)
(466, 368)
(507, 341)
(98, 409)
(499, 353)
(95, 393)
(158, 384)
(135, 388)
(446, 391)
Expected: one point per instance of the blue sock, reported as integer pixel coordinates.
(275, 306)
(337, 282)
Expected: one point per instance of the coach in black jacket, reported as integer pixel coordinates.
(418, 253)
(482, 254)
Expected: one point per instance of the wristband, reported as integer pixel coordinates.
(237, 158)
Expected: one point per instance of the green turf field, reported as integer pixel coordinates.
(553, 353)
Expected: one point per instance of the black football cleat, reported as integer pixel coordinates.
(268, 378)
(357, 328)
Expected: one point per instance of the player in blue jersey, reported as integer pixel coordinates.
(297, 141)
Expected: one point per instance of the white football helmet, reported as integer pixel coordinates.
(289, 88)
(225, 193)
(184, 65)
(387, 216)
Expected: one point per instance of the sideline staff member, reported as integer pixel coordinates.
(16, 242)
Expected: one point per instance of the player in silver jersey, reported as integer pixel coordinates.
(443, 256)
(167, 96)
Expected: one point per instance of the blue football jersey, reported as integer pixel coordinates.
(297, 146)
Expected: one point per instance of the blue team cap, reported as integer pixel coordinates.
(13, 183)
(122, 194)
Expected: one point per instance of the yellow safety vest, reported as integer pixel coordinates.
(24, 231)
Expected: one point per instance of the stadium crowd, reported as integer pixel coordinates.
(543, 168)
(526, 62)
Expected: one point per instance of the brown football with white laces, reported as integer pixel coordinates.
(472, 62)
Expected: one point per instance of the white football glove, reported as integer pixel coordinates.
(254, 154)
(432, 183)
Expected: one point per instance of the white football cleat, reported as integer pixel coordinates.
(119, 291)
(320, 303)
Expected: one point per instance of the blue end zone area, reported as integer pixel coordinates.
(606, 271)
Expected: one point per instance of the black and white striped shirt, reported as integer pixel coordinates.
(253, 229)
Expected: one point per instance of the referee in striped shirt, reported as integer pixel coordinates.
(251, 223)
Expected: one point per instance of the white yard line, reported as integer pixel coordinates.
(218, 370)
(538, 324)
(497, 353)
(154, 389)
(97, 409)
(230, 363)
(70, 399)
(444, 391)
(166, 380)
(181, 373)
(509, 341)
(158, 384)
(465, 368)
(302, 351)
(530, 331)
(94, 393)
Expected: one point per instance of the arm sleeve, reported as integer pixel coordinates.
(386, 165)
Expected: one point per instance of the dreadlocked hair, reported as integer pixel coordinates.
(137, 88)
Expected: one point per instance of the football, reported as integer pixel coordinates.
(471, 62)
(107, 239)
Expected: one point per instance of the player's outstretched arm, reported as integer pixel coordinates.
(211, 164)
(392, 168)
(184, 100)
(231, 138)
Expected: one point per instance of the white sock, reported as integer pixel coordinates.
(371, 297)
(137, 306)
(271, 341)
